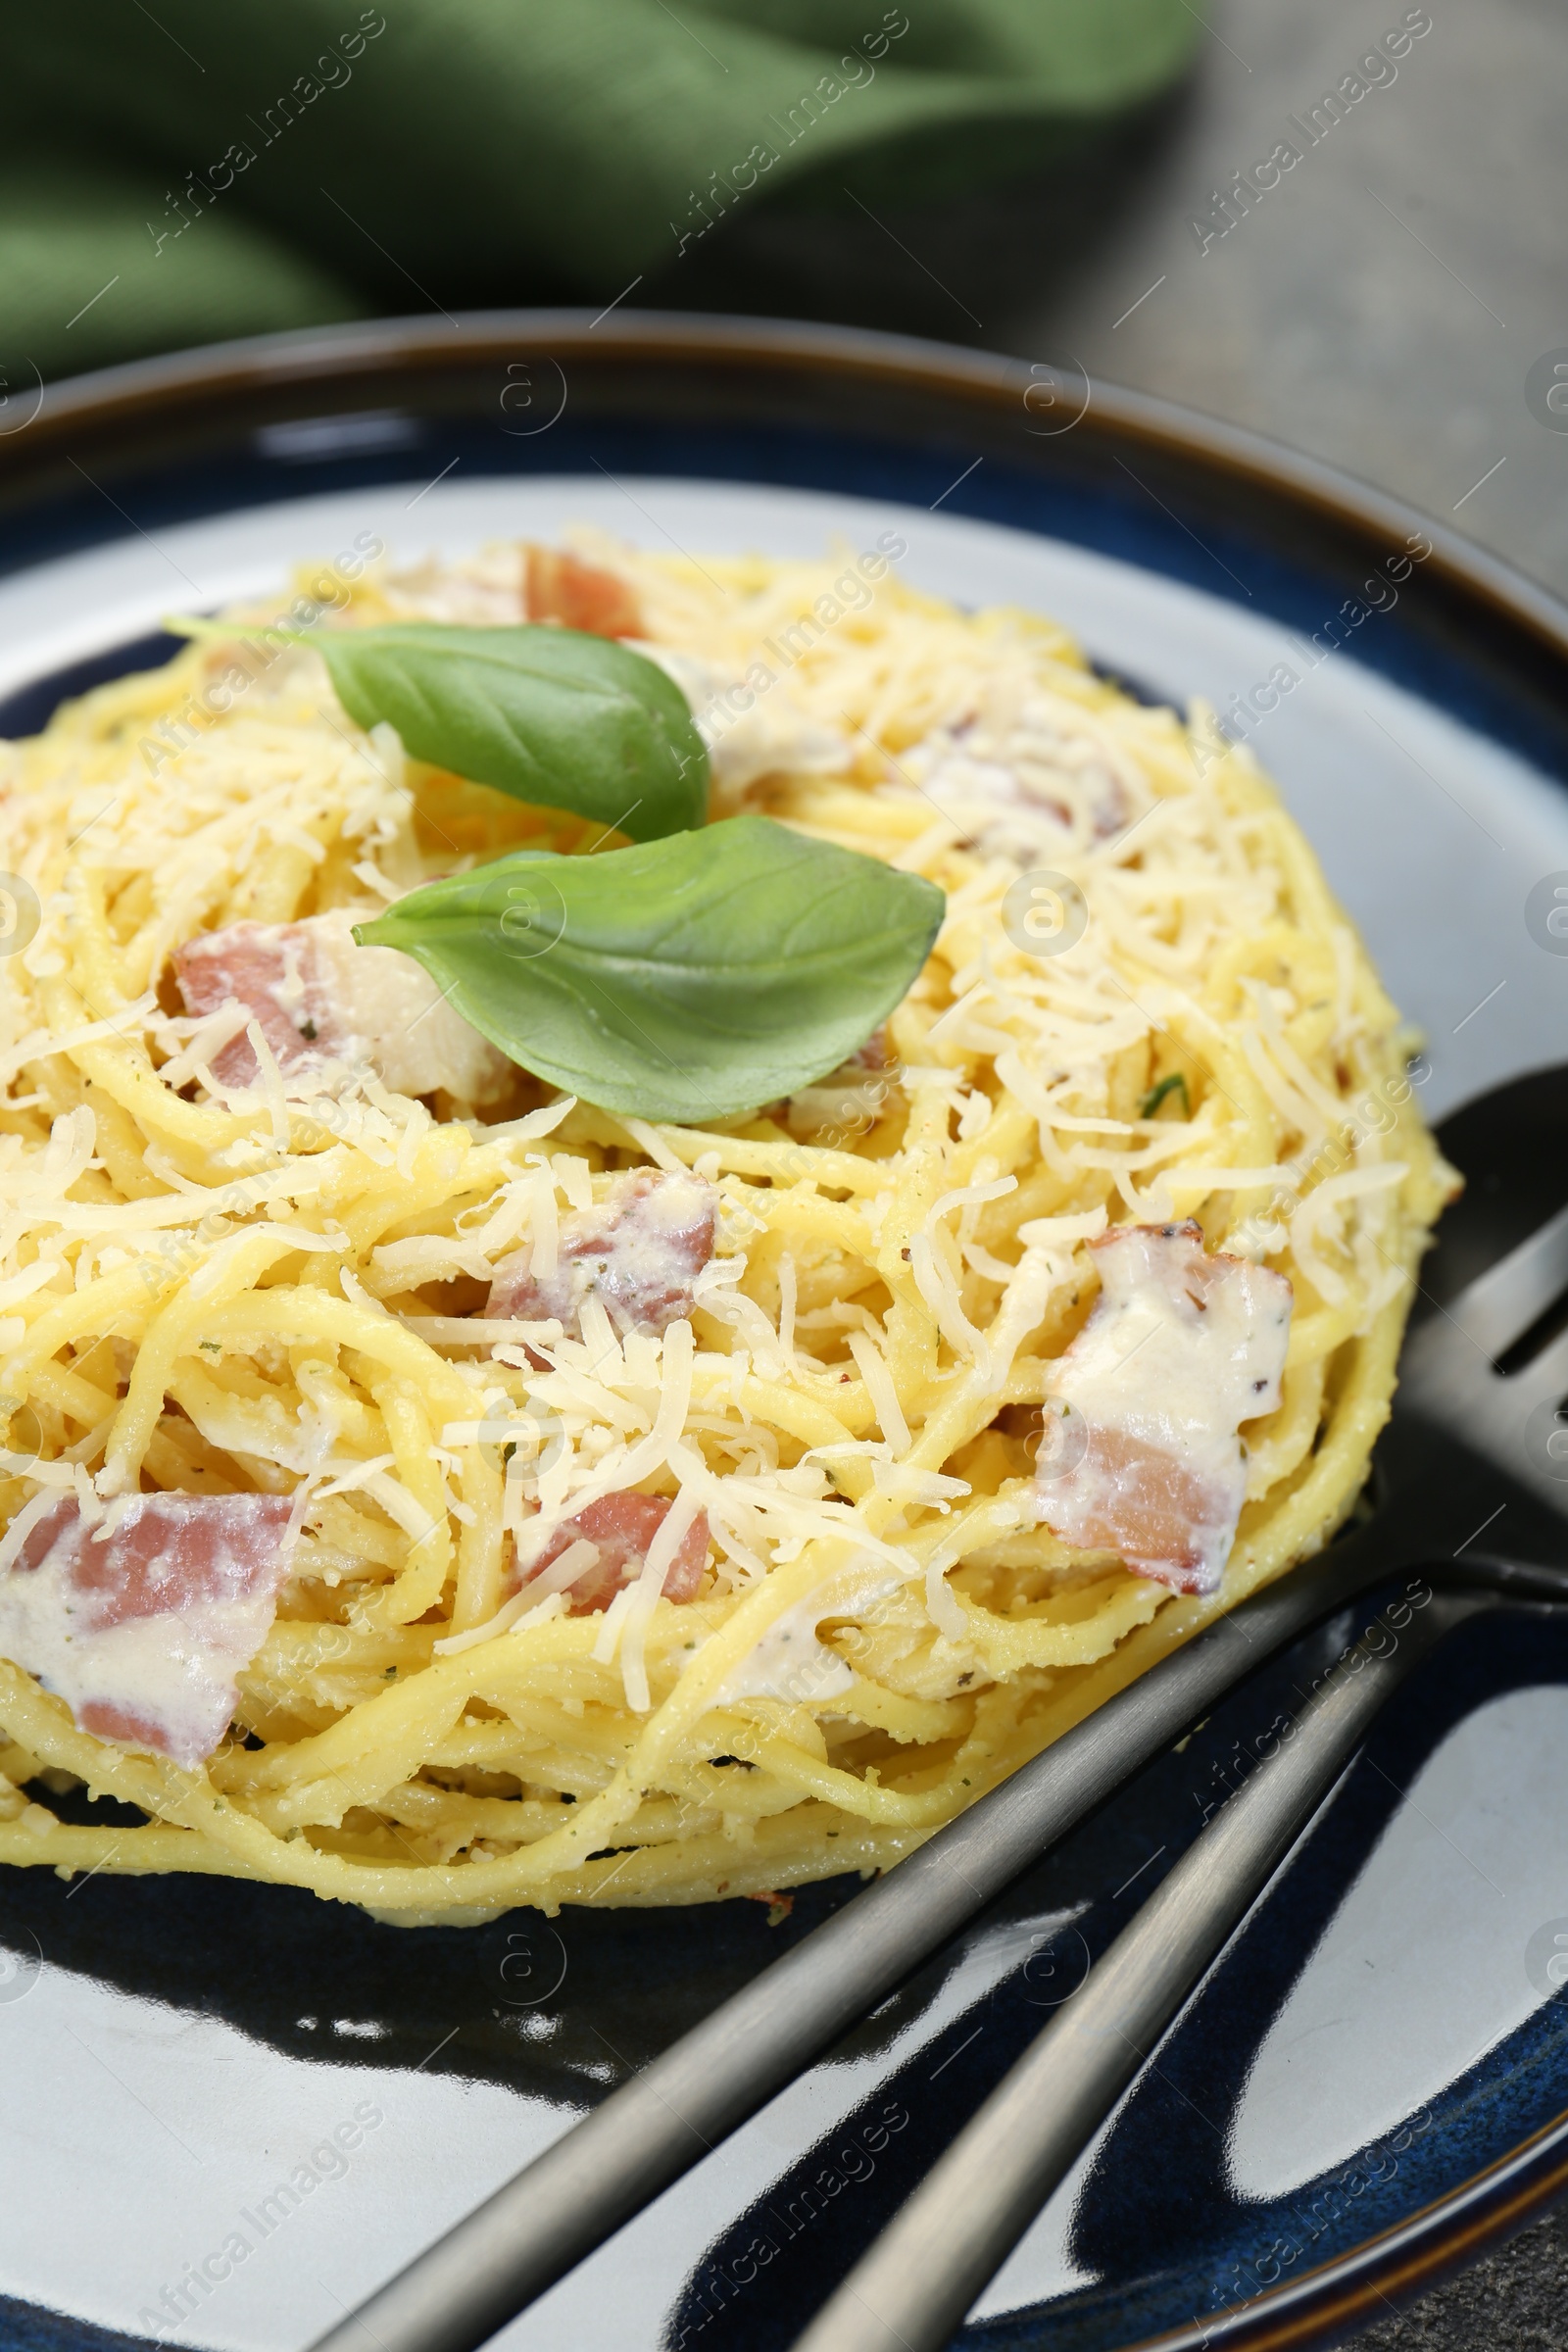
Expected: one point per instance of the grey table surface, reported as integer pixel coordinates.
(1381, 309)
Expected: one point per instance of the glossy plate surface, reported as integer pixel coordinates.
(1376, 2074)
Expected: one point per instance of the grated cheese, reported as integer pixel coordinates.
(845, 1402)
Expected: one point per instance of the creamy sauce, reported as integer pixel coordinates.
(319, 997)
(748, 734)
(789, 1662)
(1017, 781)
(849, 1099)
(1141, 1453)
(514, 581)
(638, 1252)
(142, 1630)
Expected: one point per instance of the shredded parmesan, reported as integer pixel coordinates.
(280, 1287)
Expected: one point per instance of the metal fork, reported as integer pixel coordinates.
(1449, 1376)
(909, 2292)
(1454, 1417)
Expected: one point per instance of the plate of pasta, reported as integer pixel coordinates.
(691, 1148)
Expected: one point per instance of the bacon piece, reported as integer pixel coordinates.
(141, 1624)
(622, 1526)
(1141, 1455)
(980, 792)
(639, 1251)
(318, 997)
(1005, 770)
(579, 594)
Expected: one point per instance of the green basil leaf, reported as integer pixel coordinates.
(685, 979)
(551, 715)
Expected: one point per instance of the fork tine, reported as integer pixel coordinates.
(1500, 1305)
(1512, 1423)
(1448, 1370)
(1545, 1376)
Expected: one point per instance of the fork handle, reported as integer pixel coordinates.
(909, 2292)
(455, 2294)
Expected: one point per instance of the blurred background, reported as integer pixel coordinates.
(1037, 177)
(1339, 227)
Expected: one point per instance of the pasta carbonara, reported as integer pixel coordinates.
(444, 1495)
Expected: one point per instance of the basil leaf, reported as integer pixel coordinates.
(551, 715)
(685, 979)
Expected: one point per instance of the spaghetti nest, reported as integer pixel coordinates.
(220, 1289)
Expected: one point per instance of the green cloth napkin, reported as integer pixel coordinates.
(171, 175)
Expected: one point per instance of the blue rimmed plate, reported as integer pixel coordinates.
(232, 2110)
